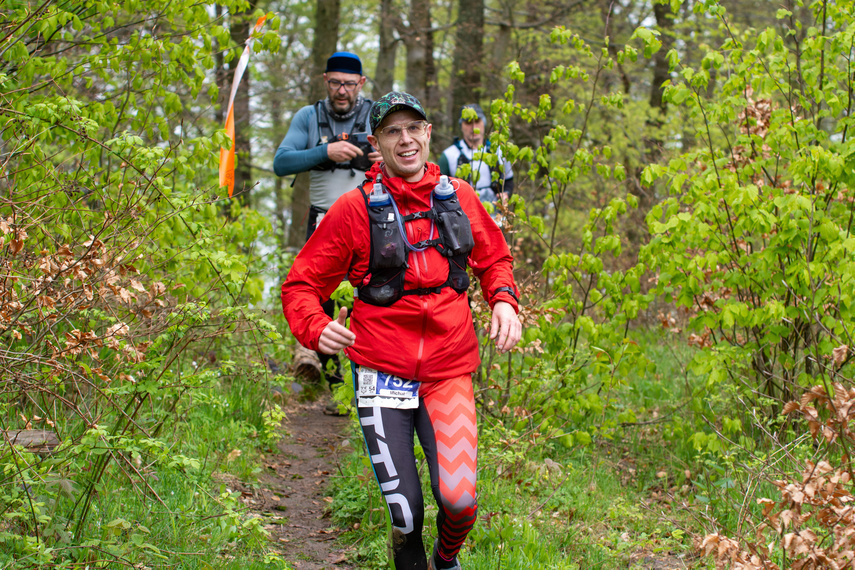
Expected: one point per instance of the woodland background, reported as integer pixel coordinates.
(682, 232)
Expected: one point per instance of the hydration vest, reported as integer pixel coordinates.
(327, 135)
(463, 159)
(383, 284)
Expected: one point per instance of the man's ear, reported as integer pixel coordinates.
(372, 140)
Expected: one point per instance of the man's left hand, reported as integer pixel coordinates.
(375, 156)
(505, 326)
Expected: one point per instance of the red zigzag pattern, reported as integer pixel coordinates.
(452, 412)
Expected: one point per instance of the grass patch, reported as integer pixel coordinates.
(618, 502)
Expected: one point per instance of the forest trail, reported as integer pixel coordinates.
(292, 496)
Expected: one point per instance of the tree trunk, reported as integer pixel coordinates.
(220, 76)
(653, 136)
(421, 68)
(496, 80)
(468, 47)
(280, 228)
(665, 23)
(323, 46)
(384, 75)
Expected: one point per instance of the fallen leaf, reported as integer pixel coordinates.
(839, 354)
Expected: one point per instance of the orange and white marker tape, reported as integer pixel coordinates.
(227, 156)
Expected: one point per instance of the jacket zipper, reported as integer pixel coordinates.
(421, 256)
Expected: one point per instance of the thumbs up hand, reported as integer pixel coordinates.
(335, 335)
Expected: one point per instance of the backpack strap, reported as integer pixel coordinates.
(324, 127)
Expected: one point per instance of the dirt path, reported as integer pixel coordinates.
(293, 495)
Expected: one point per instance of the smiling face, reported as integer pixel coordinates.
(405, 156)
(343, 100)
(473, 133)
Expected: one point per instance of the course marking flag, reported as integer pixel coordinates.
(227, 157)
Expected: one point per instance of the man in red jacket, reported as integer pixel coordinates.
(403, 240)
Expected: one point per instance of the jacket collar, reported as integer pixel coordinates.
(399, 188)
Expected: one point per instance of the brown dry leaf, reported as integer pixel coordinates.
(839, 354)
(829, 434)
(788, 542)
(786, 517)
(94, 242)
(48, 267)
(810, 489)
(768, 505)
(806, 542)
(126, 295)
(709, 543)
(138, 286)
(118, 329)
(133, 354)
(791, 407)
(157, 288)
(233, 454)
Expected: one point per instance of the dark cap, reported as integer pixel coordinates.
(345, 62)
(478, 111)
(391, 102)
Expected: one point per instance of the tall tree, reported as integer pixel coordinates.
(421, 68)
(653, 137)
(384, 75)
(327, 16)
(220, 74)
(468, 47)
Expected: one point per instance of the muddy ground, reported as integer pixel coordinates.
(291, 495)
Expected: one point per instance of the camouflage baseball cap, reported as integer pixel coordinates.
(391, 102)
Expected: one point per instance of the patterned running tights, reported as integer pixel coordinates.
(445, 424)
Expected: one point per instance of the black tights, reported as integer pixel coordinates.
(445, 425)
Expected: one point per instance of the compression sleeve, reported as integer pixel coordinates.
(296, 153)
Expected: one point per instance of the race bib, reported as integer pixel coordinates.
(385, 391)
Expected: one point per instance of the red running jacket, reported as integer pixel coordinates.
(421, 337)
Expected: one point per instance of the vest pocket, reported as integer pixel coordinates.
(456, 232)
(382, 289)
